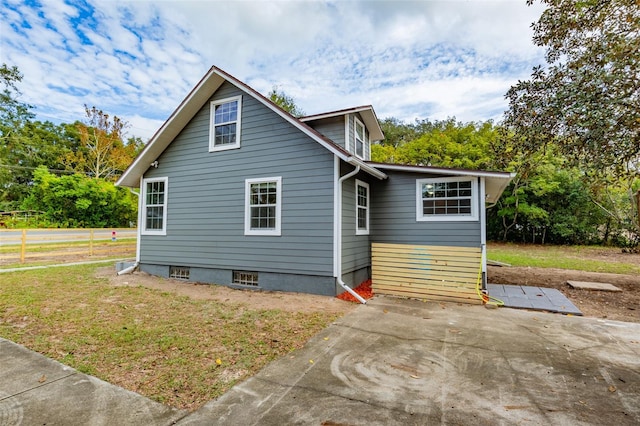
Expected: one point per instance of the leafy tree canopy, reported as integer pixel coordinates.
(102, 152)
(586, 99)
(446, 143)
(285, 102)
(79, 201)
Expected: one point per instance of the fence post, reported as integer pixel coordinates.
(91, 242)
(23, 246)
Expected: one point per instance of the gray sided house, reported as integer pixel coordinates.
(236, 191)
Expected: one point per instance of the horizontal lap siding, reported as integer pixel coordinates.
(427, 272)
(206, 204)
(356, 252)
(393, 217)
(332, 128)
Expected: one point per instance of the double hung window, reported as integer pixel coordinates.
(360, 139)
(154, 207)
(362, 208)
(224, 130)
(263, 202)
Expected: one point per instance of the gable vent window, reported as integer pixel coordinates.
(245, 278)
(179, 272)
(224, 132)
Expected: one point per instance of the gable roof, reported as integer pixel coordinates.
(366, 112)
(495, 182)
(195, 100)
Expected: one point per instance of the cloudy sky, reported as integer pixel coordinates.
(138, 59)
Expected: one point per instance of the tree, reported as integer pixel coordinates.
(446, 143)
(13, 116)
(101, 154)
(285, 102)
(396, 132)
(79, 201)
(33, 144)
(551, 203)
(586, 99)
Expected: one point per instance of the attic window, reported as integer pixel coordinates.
(224, 131)
(359, 139)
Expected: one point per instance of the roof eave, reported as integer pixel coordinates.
(366, 112)
(355, 161)
(171, 127)
(496, 182)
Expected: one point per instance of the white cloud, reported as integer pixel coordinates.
(139, 59)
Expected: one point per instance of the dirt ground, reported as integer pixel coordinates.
(292, 302)
(620, 306)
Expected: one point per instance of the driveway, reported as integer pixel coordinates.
(405, 362)
(390, 362)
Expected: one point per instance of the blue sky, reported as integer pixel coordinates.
(139, 59)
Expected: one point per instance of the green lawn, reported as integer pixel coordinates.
(583, 258)
(176, 350)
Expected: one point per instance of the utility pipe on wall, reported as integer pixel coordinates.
(338, 241)
(135, 265)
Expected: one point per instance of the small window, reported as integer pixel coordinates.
(447, 199)
(359, 139)
(245, 278)
(154, 214)
(224, 132)
(263, 202)
(362, 208)
(179, 272)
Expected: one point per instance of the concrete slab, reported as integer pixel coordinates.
(37, 390)
(531, 297)
(586, 285)
(390, 362)
(406, 362)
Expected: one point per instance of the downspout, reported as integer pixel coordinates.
(137, 262)
(483, 231)
(337, 243)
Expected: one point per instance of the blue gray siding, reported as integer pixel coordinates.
(205, 225)
(356, 249)
(393, 217)
(332, 128)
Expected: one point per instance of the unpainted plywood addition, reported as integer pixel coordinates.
(440, 273)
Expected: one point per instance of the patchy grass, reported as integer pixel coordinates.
(173, 349)
(581, 258)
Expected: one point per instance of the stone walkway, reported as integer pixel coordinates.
(535, 298)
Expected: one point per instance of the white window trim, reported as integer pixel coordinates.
(365, 185)
(247, 206)
(143, 225)
(365, 138)
(420, 217)
(212, 124)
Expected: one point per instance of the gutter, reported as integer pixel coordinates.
(133, 267)
(337, 243)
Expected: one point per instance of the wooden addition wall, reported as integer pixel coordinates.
(426, 272)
